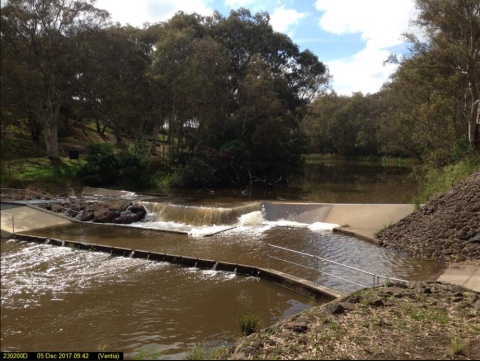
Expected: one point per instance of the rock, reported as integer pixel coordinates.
(335, 308)
(138, 208)
(462, 234)
(347, 306)
(57, 208)
(127, 219)
(105, 216)
(377, 303)
(85, 216)
(475, 239)
(270, 342)
(118, 205)
(94, 207)
(300, 327)
(140, 214)
(461, 258)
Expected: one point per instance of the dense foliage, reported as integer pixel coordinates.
(227, 100)
(226, 95)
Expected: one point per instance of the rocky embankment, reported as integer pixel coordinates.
(120, 212)
(424, 320)
(447, 229)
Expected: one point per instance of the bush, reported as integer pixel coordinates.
(249, 323)
(105, 168)
(134, 170)
(102, 166)
(196, 173)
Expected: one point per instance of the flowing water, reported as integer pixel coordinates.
(58, 299)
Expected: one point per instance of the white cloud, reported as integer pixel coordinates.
(151, 11)
(238, 3)
(281, 19)
(381, 24)
(363, 72)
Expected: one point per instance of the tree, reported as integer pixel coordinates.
(47, 39)
(451, 29)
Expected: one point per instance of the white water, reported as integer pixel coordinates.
(252, 222)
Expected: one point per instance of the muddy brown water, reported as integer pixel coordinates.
(57, 299)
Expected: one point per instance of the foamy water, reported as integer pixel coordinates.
(252, 222)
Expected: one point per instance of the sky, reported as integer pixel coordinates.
(352, 37)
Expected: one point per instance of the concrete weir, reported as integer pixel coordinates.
(358, 220)
(299, 285)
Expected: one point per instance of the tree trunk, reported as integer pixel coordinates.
(473, 127)
(50, 128)
(153, 148)
(50, 133)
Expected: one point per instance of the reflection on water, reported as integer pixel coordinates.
(57, 299)
(326, 181)
(357, 182)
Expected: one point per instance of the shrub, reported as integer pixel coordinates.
(105, 168)
(249, 323)
(102, 166)
(134, 170)
(196, 173)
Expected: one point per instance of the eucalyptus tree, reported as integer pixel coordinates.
(450, 47)
(47, 39)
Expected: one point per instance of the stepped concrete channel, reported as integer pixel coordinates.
(359, 220)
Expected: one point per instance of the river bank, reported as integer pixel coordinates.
(424, 320)
(447, 229)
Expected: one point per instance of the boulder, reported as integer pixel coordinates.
(85, 216)
(57, 208)
(127, 219)
(118, 205)
(138, 208)
(105, 216)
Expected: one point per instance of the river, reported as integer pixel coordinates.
(58, 299)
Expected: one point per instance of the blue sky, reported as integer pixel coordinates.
(353, 37)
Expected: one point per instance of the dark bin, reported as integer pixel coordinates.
(74, 154)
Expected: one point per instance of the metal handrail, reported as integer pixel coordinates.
(12, 222)
(376, 278)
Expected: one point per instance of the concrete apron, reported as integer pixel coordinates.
(467, 276)
(299, 285)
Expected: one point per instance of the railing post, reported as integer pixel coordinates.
(373, 281)
(268, 255)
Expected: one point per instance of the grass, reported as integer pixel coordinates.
(199, 352)
(143, 354)
(437, 181)
(457, 346)
(44, 171)
(249, 323)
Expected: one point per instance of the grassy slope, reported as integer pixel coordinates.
(425, 321)
(24, 162)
